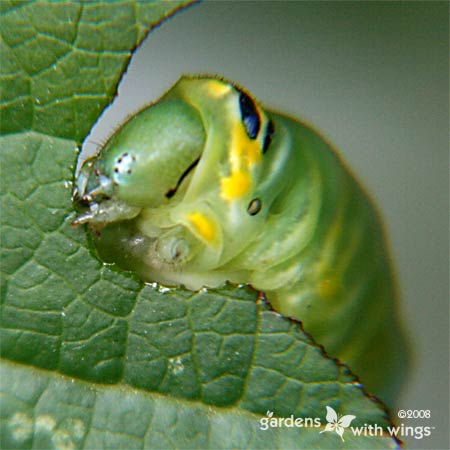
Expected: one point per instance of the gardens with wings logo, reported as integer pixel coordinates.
(338, 424)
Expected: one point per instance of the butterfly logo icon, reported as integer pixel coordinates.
(337, 424)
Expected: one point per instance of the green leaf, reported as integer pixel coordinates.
(59, 412)
(61, 61)
(92, 358)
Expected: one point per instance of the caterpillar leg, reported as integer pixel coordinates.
(106, 212)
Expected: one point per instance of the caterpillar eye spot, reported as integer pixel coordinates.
(249, 115)
(254, 206)
(129, 171)
(116, 170)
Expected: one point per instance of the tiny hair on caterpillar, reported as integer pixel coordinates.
(205, 186)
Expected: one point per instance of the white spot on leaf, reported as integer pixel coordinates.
(62, 440)
(76, 427)
(21, 426)
(176, 365)
(45, 422)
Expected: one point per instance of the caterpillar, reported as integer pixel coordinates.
(205, 187)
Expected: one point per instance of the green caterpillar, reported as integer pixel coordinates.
(204, 187)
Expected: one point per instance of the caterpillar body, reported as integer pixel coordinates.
(205, 186)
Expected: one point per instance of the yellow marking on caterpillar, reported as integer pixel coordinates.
(236, 185)
(203, 226)
(217, 88)
(243, 151)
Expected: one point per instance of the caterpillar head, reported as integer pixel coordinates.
(175, 186)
